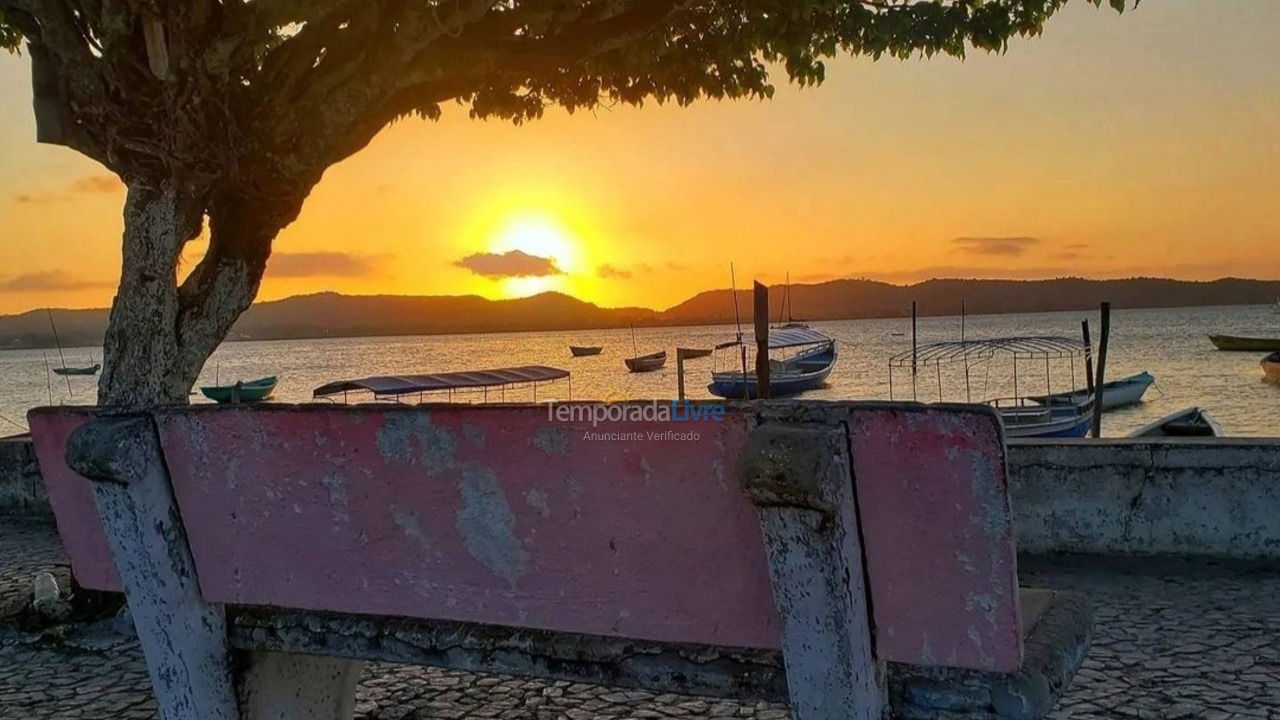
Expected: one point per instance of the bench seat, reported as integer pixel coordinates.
(868, 547)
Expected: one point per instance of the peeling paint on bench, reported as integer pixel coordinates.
(493, 514)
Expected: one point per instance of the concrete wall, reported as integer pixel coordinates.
(21, 490)
(1218, 497)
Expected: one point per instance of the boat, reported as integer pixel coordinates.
(1023, 415)
(692, 353)
(807, 369)
(1188, 422)
(497, 380)
(68, 369)
(1245, 344)
(90, 370)
(242, 392)
(579, 351)
(645, 363)
(1115, 394)
(1271, 368)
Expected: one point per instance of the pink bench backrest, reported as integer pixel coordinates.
(495, 514)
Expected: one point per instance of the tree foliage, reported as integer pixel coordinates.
(233, 109)
(274, 91)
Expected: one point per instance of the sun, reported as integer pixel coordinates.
(542, 235)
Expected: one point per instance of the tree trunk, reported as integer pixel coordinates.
(141, 349)
(159, 334)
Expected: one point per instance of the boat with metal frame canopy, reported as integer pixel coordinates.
(395, 387)
(807, 369)
(1022, 415)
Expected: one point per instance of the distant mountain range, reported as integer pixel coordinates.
(335, 315)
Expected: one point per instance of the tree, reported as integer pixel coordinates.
(231, 110)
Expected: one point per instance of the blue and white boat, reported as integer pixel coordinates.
(1069, 414)
(806, 368)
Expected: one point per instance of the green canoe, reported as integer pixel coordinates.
(245, 392)
(1245, 344)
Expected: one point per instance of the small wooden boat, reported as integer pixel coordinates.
(242, 392)
(1271, 368)
(693, 353)
(1245, 344)
(645, 363)
(1188, 422)
(91, 370)
(1115, 394)
(579, 351)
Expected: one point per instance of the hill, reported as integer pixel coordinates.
(334, 315)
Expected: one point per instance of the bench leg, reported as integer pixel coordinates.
(183, 638)
(286, 686)
(800, 480)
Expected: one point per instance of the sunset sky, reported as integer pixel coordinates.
(1146, 143)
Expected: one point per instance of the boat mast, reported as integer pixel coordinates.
(733, 289)
(737, 318)
(634, 351)
(58, 342)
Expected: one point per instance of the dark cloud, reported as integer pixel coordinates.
(87, 185)
(49, 281)
(325, 264)
(1012, 246)
(965, 272)
(97, 184)
(610, 272)
(512, 263)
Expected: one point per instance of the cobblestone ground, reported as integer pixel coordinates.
(26, 548)
(1173, 639)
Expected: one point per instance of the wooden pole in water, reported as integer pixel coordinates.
(762, 341)
(1088, 357)
(1102, 369)
(680, 374)
(968, 392)
(913, 349)
(48, 376)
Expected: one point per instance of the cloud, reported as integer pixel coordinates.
(87, 185)
(512, 263)
(325, 264)
(965, 272)
(97, 184)
(49, 281)
(1012, 246)
(615, 272)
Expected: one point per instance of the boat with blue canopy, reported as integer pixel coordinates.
(973, 361)
(806, 359)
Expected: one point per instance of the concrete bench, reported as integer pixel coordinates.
(855, 560)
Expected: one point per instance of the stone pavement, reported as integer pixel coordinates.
(1174, 639)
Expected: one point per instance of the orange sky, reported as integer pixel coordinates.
(1147, 143)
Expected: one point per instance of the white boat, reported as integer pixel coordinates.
(1188, 422)
(1115, 394)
